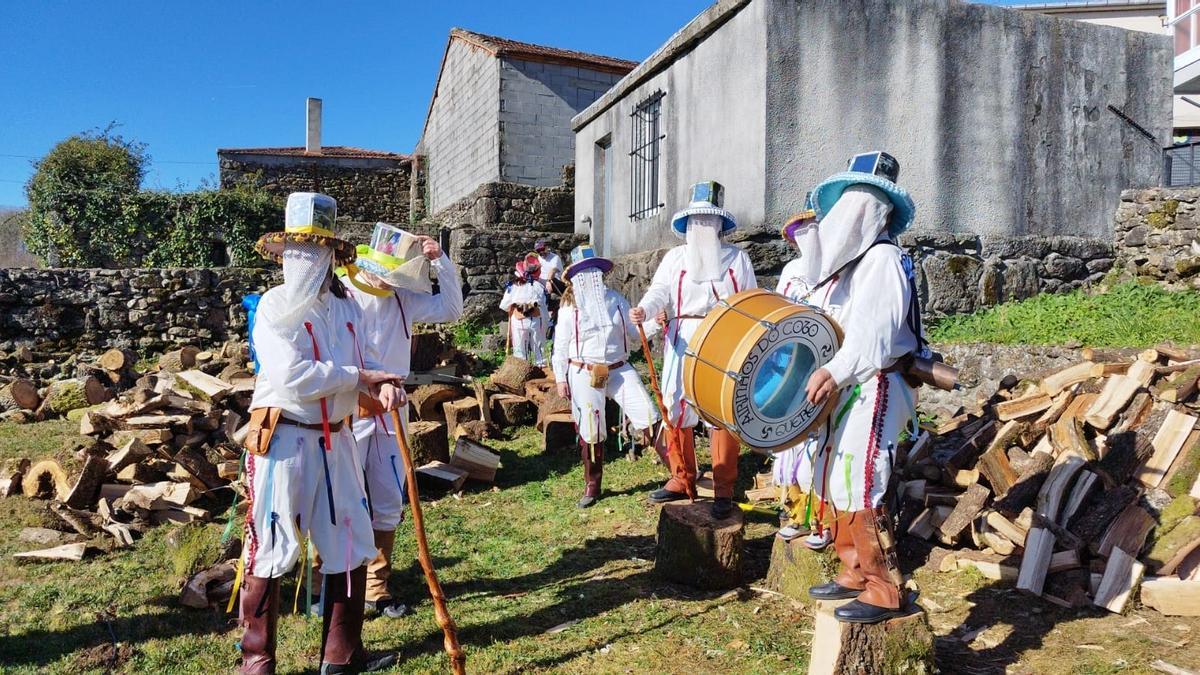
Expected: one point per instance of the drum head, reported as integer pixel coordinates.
(771, 409)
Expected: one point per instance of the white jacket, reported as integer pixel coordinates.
(388, 319)
(573, 341)
(672, 290)
(292, 378)
(525, 294)
(870, 302)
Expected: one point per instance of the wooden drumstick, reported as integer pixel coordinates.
(674, 444)
(458, 658)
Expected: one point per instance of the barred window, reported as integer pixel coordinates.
(644, 157)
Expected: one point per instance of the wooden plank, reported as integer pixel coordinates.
(1143, 372)
(479, 461)
(1171, 596)
(1167, 443)
(1079, 492)
(1010, 530)
(994, 566)
(1117, 392)
(1053, 384)
(1121, 576)
(928, 521)
(1025, 406)
(71, 552)
(1039, 544)
(994, 467)
(1066, 435)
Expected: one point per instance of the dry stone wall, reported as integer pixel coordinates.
(1158, 235)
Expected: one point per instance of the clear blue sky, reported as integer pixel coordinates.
(189, 77)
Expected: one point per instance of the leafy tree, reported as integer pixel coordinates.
(79, 198)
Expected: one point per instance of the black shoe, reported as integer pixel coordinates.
(832, 591)
(721, 508)
(387, 607)
(663, 495)
(361, 663)
(585, 501)
(857, 611)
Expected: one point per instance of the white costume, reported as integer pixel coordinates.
(551, 266)
(528, 333)
(686, 300)
(576, 344)
(290, 486)
(387, 322)
(870, 301)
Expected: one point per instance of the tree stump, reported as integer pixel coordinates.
(903, 645)
(178, 360)
(552, 404)
(426, 401)
(428, 442)
(462, 410)
(795, 568)
(695, 550)
(558, 433)
(512, 375)
(19, 395)
(510, 410)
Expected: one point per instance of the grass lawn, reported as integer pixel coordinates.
(1126, 315)
(516, 561)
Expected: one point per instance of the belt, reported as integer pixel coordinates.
(333, 426)
(686, 316)
(590, 366)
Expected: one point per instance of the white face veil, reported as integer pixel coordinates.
(590, 298)
(703, 248)
(305, 269)
(855, 222)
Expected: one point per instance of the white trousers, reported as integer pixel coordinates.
(587, 402)
(383, 468)
(851, 471)
(672, 376)
(529, 339)
(289, 492)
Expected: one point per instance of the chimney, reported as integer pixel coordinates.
(312, 136)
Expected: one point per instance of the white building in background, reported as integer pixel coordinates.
(1180, 18)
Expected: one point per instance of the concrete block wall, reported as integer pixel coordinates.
(537, 102)
(461, 138)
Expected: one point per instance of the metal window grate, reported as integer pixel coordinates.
(644, 158)
(1181, 165)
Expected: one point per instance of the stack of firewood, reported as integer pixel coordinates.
(1077, 486)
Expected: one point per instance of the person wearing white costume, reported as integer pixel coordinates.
(591, 362)
(393, 290)
(302, 470)
(849, 265)
(524, 301)
(689, 282)
(551, 265)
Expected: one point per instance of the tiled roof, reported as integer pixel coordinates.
(326, 151)
(499, 46)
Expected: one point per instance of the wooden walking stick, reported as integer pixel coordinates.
(458, 658)
(674, 444)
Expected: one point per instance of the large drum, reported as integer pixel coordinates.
(748, 362)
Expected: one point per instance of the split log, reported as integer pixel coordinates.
(1179, 388)
(204, 386)
(558, 433)
(552, 404)
(994, 467)
(1167, 443)
(1049, 416)
(426, 400)
(457, 412)
(1079, 492)
(1039, 544)
(513, 411)
(995, 566)
(968, 507)
(46, 480)
(536, 390)
(1127, 532)
(795, 568)
(141, 472)
(1171, 596)
(1066, 435)
(1020, 408)
(1024, 491)
(695, 550)
(20, 394)
(1142, 371)
(1117, 392)
(428, 442)
(69, 552)
(196, 591)
(512, 375)
(966, 453)
(1055, 383)
(12, 475)
(117, 360)
(86, 491)
(477, 430)
(439, 476)
(929, 521)
(1093, 519)
(479, 461)
(1135, 415)
(1121, 576)
(63, 396)
(178, 360)
(196, 463)
(1007, 528)
(83, 522)
(902, 645)
(1186, 467)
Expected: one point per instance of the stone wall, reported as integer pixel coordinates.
(79, 310)
(366, 190)
(497, 224)
(1158, 235)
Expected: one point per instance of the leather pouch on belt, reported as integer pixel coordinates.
(599, 376)
(262, 427)
(368, 407)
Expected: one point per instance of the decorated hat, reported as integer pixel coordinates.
(877, 169)
(528, 267)
(793, 224)
(395, 256)
(708, 198)
(585, 258)
(308, 219)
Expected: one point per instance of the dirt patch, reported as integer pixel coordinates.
(107, 657)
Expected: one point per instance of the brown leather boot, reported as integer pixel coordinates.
(593, 471)
(343, 620)
(850, 581)
(880, 600)
(380, 568)
(683, 474)
(725, 448)
(260, 615)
